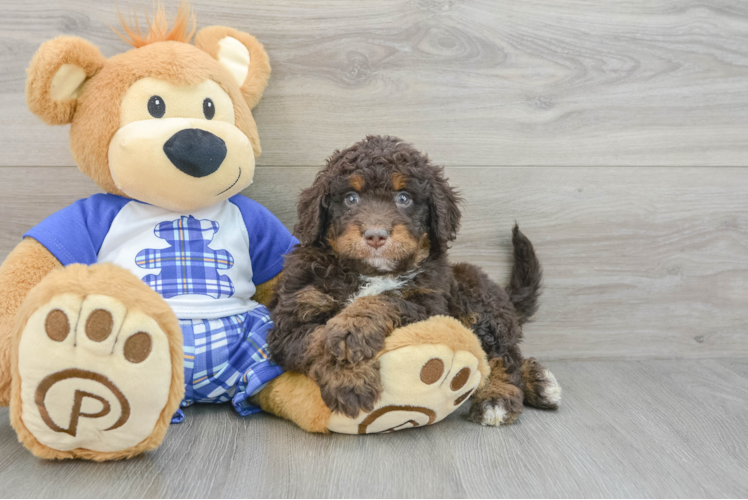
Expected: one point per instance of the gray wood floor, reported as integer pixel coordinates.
(652, 428)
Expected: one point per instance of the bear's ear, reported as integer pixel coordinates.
(56, 76)
(242, 55)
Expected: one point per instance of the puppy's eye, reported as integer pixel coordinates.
(209, 109)
(156, 106)
(351, 199)
(403, 199)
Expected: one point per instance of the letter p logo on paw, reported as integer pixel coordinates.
(78, 400)
(95, 375)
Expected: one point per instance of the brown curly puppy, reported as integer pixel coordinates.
(374, 231)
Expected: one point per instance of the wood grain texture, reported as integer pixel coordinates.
(625, 429)
(474, 82)
(639, 262)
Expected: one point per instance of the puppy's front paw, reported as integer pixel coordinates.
(351, 401)
(350, 390)
(496, 411)
(353, 338)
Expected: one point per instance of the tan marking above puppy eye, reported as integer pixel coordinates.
(399, 181)
(356, 182)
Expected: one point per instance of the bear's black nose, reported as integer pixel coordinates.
(195, 152)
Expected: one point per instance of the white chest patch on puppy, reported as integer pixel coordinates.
(375, 285)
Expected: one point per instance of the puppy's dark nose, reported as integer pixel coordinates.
(195, 152)
(375, 238)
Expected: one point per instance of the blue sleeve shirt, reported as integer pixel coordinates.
(205, 263)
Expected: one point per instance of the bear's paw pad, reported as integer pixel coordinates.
(94, 375)
(422, 384)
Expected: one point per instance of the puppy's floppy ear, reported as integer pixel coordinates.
(242, 55)
(57, 75)
(444, 210)
(313, 211)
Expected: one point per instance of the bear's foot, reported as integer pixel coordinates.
(428, 370)
(95, 372)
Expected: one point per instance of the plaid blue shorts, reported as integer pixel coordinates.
(226, 359)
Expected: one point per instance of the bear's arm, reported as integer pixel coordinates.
(24, 268)
(264, 292)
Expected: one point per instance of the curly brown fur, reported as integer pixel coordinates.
(310, 302)
(500, 392)
(359, 330)
(374, 229)
(496, 316)
(345, 387)
(540, 387)
(524, 283)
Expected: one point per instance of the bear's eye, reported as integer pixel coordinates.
(156, 106)
(209, 109)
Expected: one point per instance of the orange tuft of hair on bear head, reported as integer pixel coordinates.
(158, 29)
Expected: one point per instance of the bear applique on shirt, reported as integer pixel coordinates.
(204, 263)
(188, 265)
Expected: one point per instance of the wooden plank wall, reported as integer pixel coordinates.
(615, 133)
(474, 82)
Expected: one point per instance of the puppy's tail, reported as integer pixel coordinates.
(524, 285)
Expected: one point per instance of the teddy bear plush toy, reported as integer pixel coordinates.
(122, 306)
